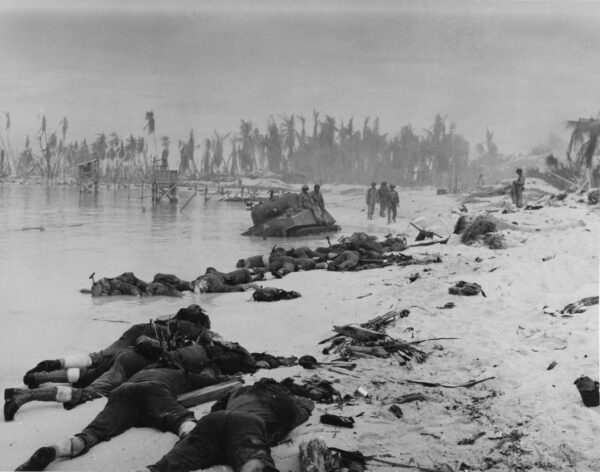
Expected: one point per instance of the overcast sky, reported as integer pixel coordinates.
(520, 69)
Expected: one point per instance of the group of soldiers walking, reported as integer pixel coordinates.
(388, 200)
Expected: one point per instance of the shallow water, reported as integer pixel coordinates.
(52, 239)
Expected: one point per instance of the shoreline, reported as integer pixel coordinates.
(533, 418)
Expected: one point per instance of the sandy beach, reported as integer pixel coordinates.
(525, 417)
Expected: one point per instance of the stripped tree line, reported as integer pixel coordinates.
(329, 150)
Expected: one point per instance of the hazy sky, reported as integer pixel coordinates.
(519, 68)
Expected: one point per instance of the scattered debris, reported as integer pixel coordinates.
(547, 258)
(359, 333)
(397, 411)
(471, 440)
(411, 397)
(580, 306)
(272, 294)
(424, 234)
(466, 288)
(361, 391)
(447, 306)
(336, 420)
(309, 362)
(429, 243)
(413, 277)
(588, 389)
(360, 341)
(435, 384)
(379, 323)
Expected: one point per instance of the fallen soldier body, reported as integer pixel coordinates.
(218, 282)
(283, 262)
(147, 399)
(191, 323)
(143, 356)
(239, 430)
(346, 260)
(128, 284)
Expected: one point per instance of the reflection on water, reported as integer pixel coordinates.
(53, 238)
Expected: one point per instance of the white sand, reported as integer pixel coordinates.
(506, 335)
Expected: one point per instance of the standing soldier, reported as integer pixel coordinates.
(517, 189)
(304, 200)
(317, 197)
(393, 201)
(372, 199)
(383, 196)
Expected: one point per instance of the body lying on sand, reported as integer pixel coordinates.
(212, 281)
(239, 430)
(183, 342)
(357, 252)
(143, 375)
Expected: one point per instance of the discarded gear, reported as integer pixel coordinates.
(397, 411)
(580, 306)
(272, 294)
(336, 420)
(588, 389)
(466, 288)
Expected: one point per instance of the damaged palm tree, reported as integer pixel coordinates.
(370, 340)
(585, 134)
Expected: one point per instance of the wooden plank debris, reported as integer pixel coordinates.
(208, 394)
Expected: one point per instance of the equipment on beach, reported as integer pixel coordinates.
(282, 217)
(588, 389)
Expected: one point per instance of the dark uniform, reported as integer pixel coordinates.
(304, 200)
(383, 197)
(517, 189)
(393, 201)
(189, 323)
(372, 199)
(147, 399)
(241, 427)
(317, 198)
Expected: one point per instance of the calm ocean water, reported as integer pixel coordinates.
(42, 270)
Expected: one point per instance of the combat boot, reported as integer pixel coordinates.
(15, 398)
(35, 379)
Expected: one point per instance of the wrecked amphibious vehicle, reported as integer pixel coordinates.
(282, 217)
